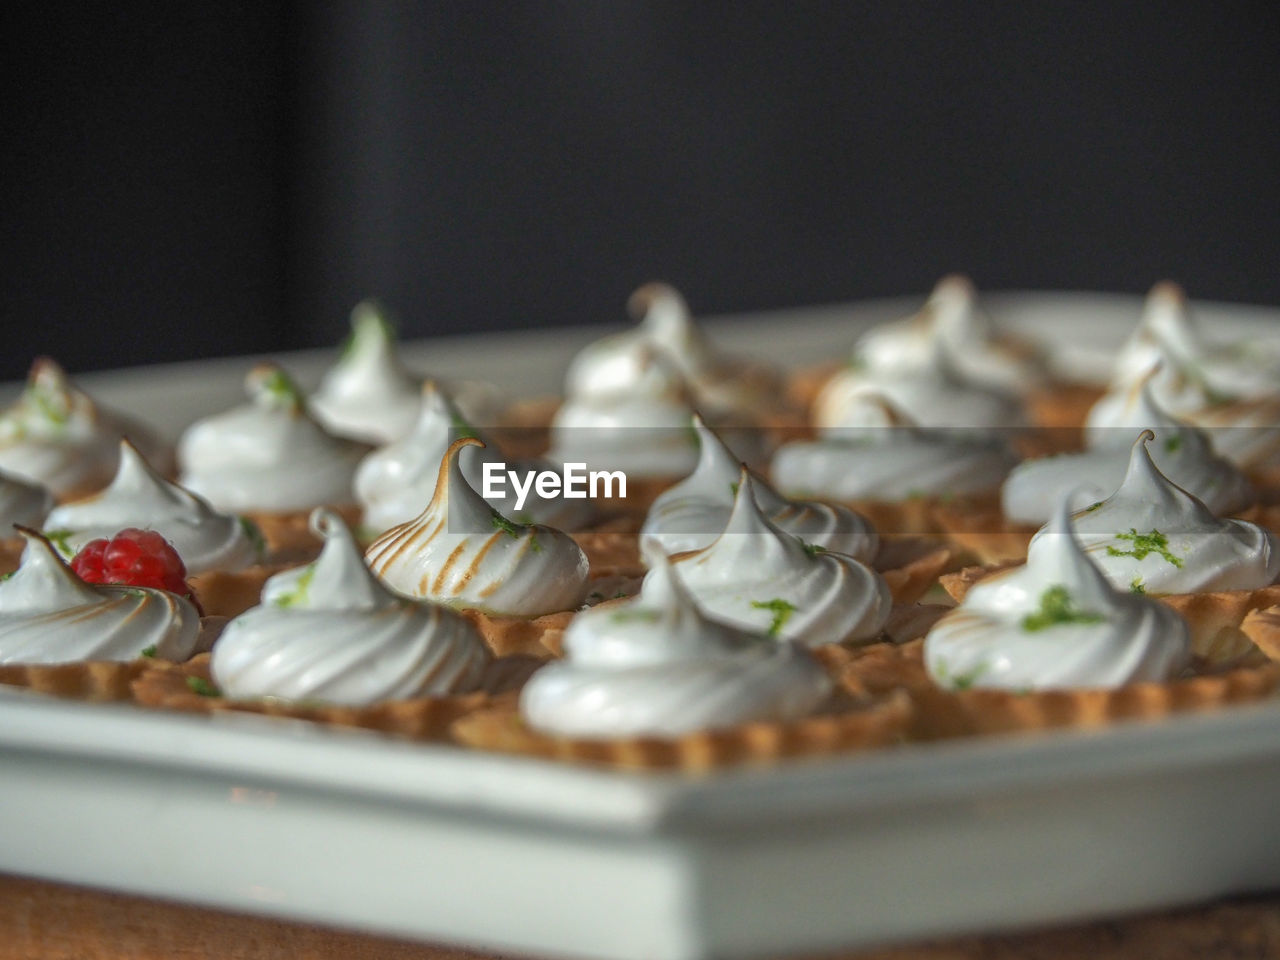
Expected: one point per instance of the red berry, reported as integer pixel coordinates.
(135, 558)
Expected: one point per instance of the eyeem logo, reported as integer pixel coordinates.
(573, 483)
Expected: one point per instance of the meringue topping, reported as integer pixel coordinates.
(330, 631)
(49, 615)
(1182, 453)
(368, 395)
(951, 315)
(462, 552)
(268, 455)
(394, 483)
(1151, 536)
(933, 394)
(657, 666)
(759, 578)
(691, 514)
(1167, 333)
(1055, 622)
(665, 327)
(140, 497)
(638, 423)
(57, 436)
(882, 454)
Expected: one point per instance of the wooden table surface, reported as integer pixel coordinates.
(54, 922)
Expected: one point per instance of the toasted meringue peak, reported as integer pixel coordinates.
(463, 552)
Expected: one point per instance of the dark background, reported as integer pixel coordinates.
(187, 182)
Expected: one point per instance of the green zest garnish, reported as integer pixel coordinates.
(595, 595)
(53, 407)
(958, 681)
(781, 610)
(149, 651)
(1056, 608)
(462, 429)
(61, 540)
(1093, 506)
(733, 487)
(1143, 544)
(7, 575)
(1172, 444)
(254, 534)
(202, 687)
(299, 593)
(507, 526)
(1137, 586)
(368, 321)
(516, 530)
(813, 549)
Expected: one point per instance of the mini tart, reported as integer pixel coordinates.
(1061, 408)
(1216, 619)
(853, 720)
(978, 527)
(886, 467)
(189, 687)
(940, 713)
(271, 462)
(95, 681)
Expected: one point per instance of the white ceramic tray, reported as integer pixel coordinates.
(348, 829)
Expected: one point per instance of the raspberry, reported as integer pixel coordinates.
(135, 558)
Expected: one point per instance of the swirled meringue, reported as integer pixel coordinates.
(1151, 536)
(57, 436)
(330, 631)
(1182, 453)
(1244, 430)
(268, 455)
(395, 482)
(691, 514)
(1167, 334)
(718, 383)
(931, 390)
(882, 454)
(462, 552)
(23, 503)
(757, 577)
(640, 425)
(981, 356)
(368, 395)
(1055, 622)
(657, 666)
(49, 615)
(140, 497)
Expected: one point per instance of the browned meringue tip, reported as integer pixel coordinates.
(188, 687)
(90, 680)
(863, 724)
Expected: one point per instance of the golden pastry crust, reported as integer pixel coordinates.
(188, 687)
(942, 714)
(854, 720)
(91, 680)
